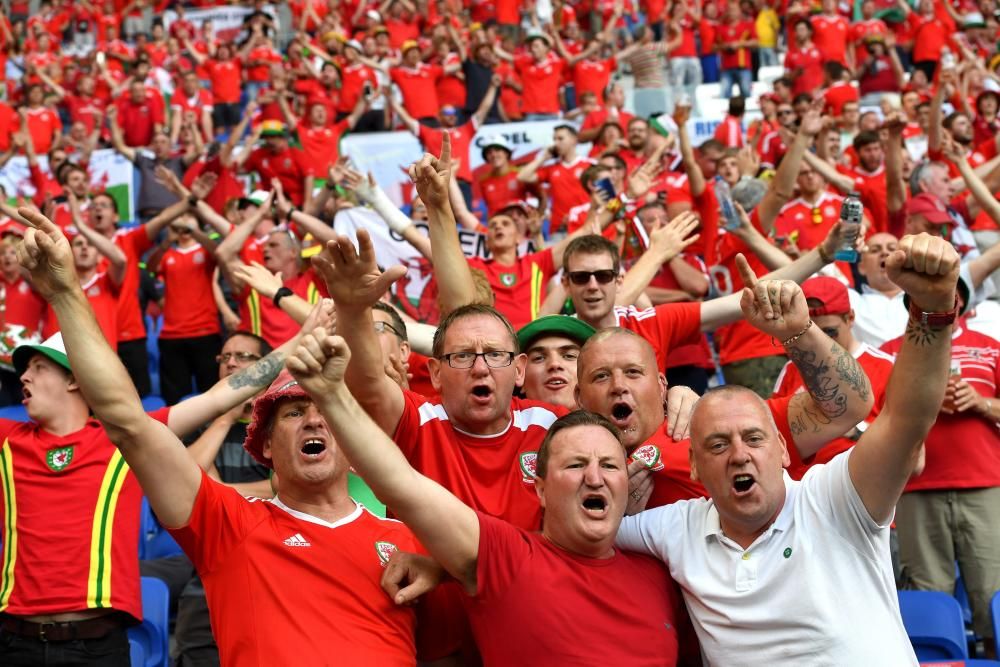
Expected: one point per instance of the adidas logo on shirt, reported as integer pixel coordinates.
(297, 540)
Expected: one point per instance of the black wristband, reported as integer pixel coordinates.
(281, 294)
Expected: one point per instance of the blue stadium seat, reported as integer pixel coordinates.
(15, 412)
(154, 540)
(137, 657)
(933, 622)
(152, 635)
(995, 616)
(151, 403)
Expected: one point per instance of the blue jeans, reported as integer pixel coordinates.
(741, 77)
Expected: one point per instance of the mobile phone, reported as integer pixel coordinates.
(605, 185)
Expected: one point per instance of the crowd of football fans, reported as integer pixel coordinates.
(626, 216)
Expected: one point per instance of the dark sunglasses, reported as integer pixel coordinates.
(181, 230)
(604, 276)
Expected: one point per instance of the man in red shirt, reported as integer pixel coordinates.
(224, 74)
(227, 535)
(839, 90)
(542, 73)
(318, 133)
(830, 30)
(946, 514)
(41, 122)
(804, 222)
(277, 160)
(563, 177)
(191, 100)
(613, 110)
(499, 185)
(804, 62)
(729, 132)
(734, 40)
(140, 115)
(830, 310)
(578, 476)
(417, 83)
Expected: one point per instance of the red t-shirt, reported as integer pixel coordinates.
(666, 326)
(9, 124)
(289, 166)
(137, 121)
(541, 83)
(830, 37)
(315, 584)
(46, 186)
(461, 141)
(740, 340)
(417, 86)
(694, 354)
(929, 37)
(877, 366)
(596, 119)
(451, 87)
(225, 79)
(353, 78)
(593, 76)
(837, 95)
(519, 289)
(874, 194)
(491, 474)
(263, 57)
(43, 126)
(321, 145)
(534, 599)
(961, 449)
(810, 61)
(730, 132)
(772, 148)
(201, 101)
(84, 110)
(22, 305)
(260, 316)
(497, 191)
(729, 33)
(61, 554)
(565, 188)
(189, 308)
(808, 224)
(860, 30)
(103, 297)
(134, 243)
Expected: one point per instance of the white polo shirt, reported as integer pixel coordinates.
(815, 589)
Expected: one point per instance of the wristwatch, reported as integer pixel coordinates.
(934, 320)
(281, 294)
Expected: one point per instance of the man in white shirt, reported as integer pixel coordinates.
(776, 571)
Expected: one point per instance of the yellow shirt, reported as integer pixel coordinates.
(767, 26)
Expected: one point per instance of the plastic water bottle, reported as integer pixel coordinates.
(730, 216)
(851, 211)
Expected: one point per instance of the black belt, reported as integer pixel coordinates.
(64, 631)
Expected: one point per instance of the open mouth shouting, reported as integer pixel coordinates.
(743, 484)
(26, 394)
(313, 449)
(595, 505)
(621, 415)
(482, 394)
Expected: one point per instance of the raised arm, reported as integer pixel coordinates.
(665, 243)
(117, 140)
(935, 127)
(695, 176)
(117, 259)
(447, 527)
(782, 187)
(168, 476)
(408, 121)
(895, 187)
(483, 110)
(396, 220)
(926, 268)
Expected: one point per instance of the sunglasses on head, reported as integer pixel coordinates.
(603, 276)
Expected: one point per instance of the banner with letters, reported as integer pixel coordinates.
(227, 21)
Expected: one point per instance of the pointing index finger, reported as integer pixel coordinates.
(445, 158)
(746, 273)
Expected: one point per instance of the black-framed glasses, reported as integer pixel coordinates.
(382, 327)
(493, 359)
(243, 357)
(604, 276)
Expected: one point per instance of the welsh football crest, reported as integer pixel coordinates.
(385, 550)
(508, 279)
(58, 459)
(529, 463)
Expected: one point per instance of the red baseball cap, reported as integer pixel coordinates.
(284, 386)
(931, 207)
(830, 292)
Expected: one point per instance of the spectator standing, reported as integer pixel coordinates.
(735, 37)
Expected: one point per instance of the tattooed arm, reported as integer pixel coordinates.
(240, 387)
(839, 395)
(927, 270)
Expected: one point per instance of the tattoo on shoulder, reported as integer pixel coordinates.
(920, 334)
(260, 374)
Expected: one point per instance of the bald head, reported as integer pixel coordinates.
(702, 425)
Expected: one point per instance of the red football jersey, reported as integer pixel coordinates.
(666, 326)
(21, 304)
(534, 598)
(808, 224)
(189, 308)
(260, 316)
(134, 243)
(321, 145)
(498, 191)
(565, 188)
(541, 83)
(961, 449)
(417, 86)
(70, 517)
(830, 36)
(810, 61)
(491, 474)
(289, 166)
(103, 297)
(225, 80)
(315, 590)
(461, 140)
(519, 289)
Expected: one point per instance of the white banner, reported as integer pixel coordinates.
(227, 21)
(108, 170)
